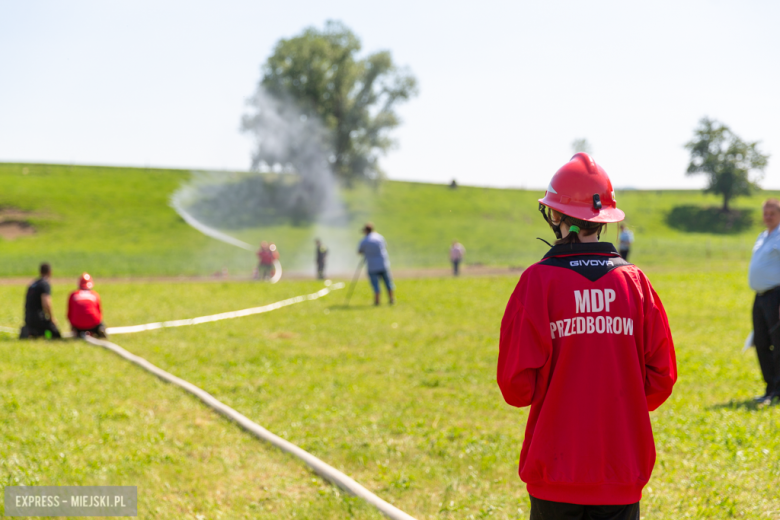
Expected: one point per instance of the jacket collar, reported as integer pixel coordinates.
(591, 248)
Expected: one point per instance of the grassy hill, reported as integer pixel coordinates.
(117, 222)
(401, 398)
(113, 221)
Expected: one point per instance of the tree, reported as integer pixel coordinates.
(354, 98)
(726, 159)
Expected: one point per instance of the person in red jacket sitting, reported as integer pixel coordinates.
(84, 312)
(586, 343)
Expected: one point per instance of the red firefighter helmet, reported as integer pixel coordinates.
(85, 282)
(582, 189)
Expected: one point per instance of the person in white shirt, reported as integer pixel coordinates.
(764, 279)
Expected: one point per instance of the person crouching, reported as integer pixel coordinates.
(84, 311)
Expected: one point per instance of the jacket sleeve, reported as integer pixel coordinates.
(660, 360)
(524, 348)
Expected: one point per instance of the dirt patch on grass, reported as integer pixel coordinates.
(14, 224)
(12, 229)
(406, 273)
(283, 335)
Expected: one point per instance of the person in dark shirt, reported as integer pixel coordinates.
(322, 253)
(38, 316)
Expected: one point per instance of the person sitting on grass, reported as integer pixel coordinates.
(374, 248)
(84, 313)
(585, 342)
(38, 315)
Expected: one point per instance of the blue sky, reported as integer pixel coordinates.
(505, 87)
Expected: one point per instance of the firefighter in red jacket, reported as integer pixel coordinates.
(84, 312)
(268, 256)
(586, 343)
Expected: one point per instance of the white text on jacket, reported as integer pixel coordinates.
(591, 301)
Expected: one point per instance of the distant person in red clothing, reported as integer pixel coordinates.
(267, 255)
(84, 312)
(586, 343)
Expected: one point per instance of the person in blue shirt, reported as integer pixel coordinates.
(764, 279)
(374, 248)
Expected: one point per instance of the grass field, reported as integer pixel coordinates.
(401, 398)
(117, 222)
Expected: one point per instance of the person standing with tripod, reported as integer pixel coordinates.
(374, 249)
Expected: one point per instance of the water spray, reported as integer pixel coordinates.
(291, 183)
(176, 204)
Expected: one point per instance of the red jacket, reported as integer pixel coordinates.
(585, 341)
(267, 256)
(84, 309)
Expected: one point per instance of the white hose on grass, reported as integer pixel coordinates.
(326, 471)
(277, 271)
(215, 317)
(226, 315)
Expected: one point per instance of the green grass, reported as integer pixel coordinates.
(401, 398)
(117, 222)
(73, 414)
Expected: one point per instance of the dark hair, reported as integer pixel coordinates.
(587, 228)
(45, 269)
(369, 227)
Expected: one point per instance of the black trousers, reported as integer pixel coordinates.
(624, 254)
(38, 330)
(766, 330)
(98, 331)
(547, 510)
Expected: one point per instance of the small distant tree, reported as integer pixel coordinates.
(726, 159)
(355, 98)
(581, 145)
